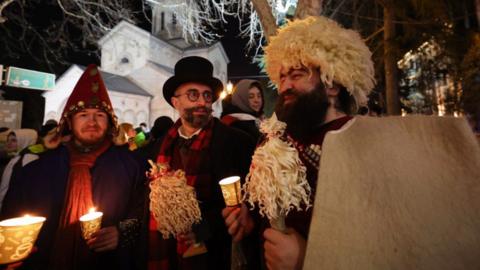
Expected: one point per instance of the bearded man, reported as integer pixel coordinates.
(323, 72)
(207, 151)
(88, 172)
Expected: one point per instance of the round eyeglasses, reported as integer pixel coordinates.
(193, 95)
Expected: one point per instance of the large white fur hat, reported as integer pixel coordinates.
(340, 53)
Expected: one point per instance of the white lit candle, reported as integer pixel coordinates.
(231, 190)
(92, 214)
(21, 221)
(17, 237)
(90, 223)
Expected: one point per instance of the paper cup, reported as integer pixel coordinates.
(17, 237)
(90, 223)
(231, 190)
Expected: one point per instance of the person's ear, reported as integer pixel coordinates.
(175, 102)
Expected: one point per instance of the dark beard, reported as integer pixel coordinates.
(197, 121)
(305, 113)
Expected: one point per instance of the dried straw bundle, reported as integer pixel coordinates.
(173, 203)
(277, 178)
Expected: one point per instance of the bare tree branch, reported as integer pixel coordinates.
(2, 6)
(264, 12)
(307, 8)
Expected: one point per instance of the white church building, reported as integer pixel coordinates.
(135, 64)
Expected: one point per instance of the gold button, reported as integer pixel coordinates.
(95, 87)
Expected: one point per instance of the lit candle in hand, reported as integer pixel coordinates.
(90, 223)
(17, 237)
(231, 190)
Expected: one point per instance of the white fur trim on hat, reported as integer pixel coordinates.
(340, 53)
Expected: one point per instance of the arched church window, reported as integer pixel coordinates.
(162, 21)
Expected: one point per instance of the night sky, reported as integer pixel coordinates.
(240, 59)
(240, 66)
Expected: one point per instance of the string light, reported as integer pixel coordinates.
(229, 88)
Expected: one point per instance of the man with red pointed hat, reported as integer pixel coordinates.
(87, 172)
(207, 151)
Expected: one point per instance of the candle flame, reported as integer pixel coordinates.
(91, 210)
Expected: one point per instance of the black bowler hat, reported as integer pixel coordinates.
(192, 69)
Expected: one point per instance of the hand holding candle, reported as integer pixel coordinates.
(17, 237)
(232, 194)
(90, 223)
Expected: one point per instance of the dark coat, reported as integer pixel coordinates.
(230, 154)
(248, 126)
(118, 183)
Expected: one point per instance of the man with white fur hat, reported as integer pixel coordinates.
(323, 73)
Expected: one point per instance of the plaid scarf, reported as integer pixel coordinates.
(197, 143)
(191, 166)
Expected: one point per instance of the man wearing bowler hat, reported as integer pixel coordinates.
(207, 151)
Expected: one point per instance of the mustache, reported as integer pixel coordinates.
(289, 92)
(91, 128)
(199, 109)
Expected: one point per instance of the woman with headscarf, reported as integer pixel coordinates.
(245, 110)
(17, 141)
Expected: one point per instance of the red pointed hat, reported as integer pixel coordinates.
(89, 92)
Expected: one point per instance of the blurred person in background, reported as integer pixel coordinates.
(19, 139)
(143, 128)
(16, 140)
(160, 127)
(245, 108)
(47, 139)
(126, 135)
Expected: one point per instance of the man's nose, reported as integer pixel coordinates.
(92, 119)
(201, 101)
(285, 84)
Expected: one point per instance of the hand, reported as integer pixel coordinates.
(12, 266)
(238, 221)
(104, 239)
(187, 238)
(284, 251)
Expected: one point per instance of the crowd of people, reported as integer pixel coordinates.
(323, 73)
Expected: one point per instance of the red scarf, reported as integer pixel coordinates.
(78, 200)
